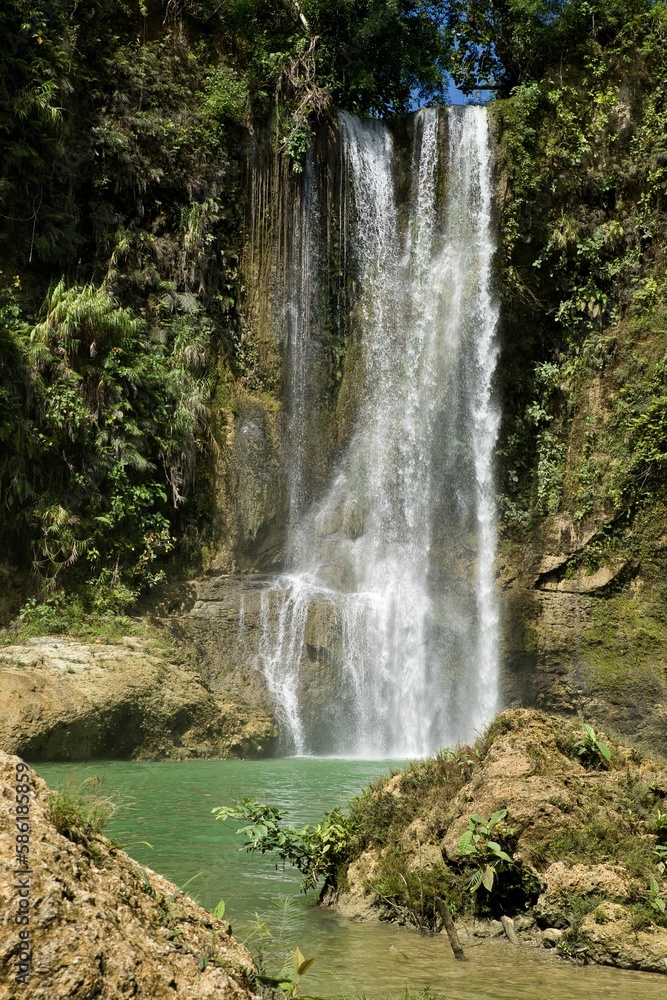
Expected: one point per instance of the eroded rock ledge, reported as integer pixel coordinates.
(68, 700)
(101, 926)
(583, 837)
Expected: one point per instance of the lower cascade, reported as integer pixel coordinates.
(388, 603)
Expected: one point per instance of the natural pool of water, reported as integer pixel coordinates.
(169, 806)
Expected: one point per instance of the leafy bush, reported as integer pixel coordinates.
(86, 616)
(591, 750)
(316, 851)
(476, 844)
(111, 434)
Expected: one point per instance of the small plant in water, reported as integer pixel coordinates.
(285, 981)
(476, 842)
(592, 751)
(316, 851)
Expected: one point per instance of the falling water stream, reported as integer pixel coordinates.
(395, 561)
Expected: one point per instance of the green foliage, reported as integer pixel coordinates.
(476, 843)
(605, 839)
(124, 129)
(411, 892)
(368, 57)
(591, 750)
(316, 851)
(503, 45)
(79, 811)
(661, 825)
(92, 614)
(378, 816)
(107, 438)
(657, 896)
(582, 229)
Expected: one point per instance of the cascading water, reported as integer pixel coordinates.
(392, 571)
(301, 314)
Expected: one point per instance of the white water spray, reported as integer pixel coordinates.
(393, 571)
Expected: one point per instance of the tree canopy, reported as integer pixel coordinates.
(499, 44)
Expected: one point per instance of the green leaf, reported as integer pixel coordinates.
(219, 911)
(604, 750)
(283, 984)
(301, 964)
(475, 880)
(488, 877)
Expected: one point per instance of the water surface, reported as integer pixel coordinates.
(169, 805)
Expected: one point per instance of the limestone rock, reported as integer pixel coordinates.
(520, 769)
(563, 883)
(582, 582)
(555, 807)
(359, 901)
(610, 937)
(101, 926)
(68, 700)
(551, 936)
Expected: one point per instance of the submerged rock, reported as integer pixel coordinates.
(97, 924)
(69, 700)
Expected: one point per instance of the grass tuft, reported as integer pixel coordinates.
(80, 810)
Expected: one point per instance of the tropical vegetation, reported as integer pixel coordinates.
(124, 128)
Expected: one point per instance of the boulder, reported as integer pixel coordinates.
(69, 700)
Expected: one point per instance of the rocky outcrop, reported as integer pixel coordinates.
(575, 640)
(231, 621)
(68, 700)
(582, 837)
(98, 924)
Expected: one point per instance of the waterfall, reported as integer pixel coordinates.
(301, 314)
(388, 606)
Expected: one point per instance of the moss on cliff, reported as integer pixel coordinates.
(582, 467)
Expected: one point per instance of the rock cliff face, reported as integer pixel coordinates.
(68, 700)
(99, 925)
(227, 620)
(583, 627)
(582, 838)
(587, 642)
